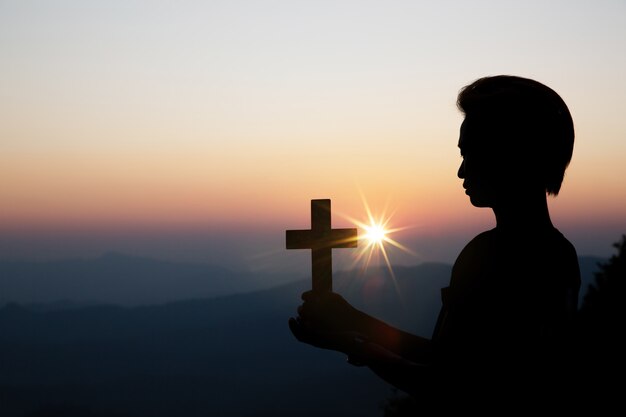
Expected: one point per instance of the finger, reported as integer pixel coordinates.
(309, 295)
(302, 333)
(308, 310)
(295, 328)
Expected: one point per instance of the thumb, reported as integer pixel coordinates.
(294, 326)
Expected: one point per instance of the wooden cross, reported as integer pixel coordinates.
(321, 238)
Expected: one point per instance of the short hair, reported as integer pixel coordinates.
(521, 111)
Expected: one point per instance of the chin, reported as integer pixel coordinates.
(479, 202)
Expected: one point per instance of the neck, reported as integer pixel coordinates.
(530, 211)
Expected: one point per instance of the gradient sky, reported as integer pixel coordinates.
(201, 129)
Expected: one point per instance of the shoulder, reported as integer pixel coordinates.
(564, 257)
(520, 254)
(555, 249)
(479, 251)
(484, 242)
(474, 260)
(561, 243)
(537, 243)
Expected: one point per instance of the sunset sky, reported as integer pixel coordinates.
(200, 130)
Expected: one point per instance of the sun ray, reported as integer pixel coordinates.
(374, 241)
(375, 236)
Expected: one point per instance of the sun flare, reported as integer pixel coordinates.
(374, 238)
(375, 234)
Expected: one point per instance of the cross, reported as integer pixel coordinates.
(321, 239)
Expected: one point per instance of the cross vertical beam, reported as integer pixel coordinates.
(321, 239)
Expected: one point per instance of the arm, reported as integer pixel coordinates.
(409, 376)
(406, 345)
(328, 321)
(326, 315)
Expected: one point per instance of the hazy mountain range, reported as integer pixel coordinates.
(230, 355)
(115, 278)
(120, 279)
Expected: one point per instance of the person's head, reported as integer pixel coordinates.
(517, 135)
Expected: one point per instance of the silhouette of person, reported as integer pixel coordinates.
(503, 332)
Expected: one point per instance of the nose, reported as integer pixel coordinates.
(461, 171)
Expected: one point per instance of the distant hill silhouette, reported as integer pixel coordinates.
(116, 278)
(231, 355)
(120, 279)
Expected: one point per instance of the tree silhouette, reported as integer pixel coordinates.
(602, 319)
(603, 308)
(603, 302)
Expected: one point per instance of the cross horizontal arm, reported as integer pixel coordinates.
(310, 239)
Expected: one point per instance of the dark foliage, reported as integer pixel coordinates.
(603, 308)
(602, 320)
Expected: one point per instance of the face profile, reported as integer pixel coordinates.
(486, 179)
(475, 170)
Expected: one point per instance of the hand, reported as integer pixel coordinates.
(329, 312)
(326, 320)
